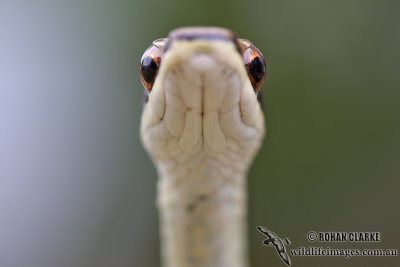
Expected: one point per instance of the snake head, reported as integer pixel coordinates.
(202, 85)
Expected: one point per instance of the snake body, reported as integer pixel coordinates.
(202, 125)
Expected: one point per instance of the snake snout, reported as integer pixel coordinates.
(202, 62)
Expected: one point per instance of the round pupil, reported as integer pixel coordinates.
(149, 69)
(257, 69)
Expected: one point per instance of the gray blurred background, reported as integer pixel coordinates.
(77, 188)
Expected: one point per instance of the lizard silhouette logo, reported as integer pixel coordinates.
(279, 243)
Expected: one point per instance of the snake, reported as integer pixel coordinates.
(202, 124)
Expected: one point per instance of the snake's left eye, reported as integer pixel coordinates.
(150, 63)
(254, 63)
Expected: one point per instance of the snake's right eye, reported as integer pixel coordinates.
(150, 63)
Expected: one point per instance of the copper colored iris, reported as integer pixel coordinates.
(150, 63)
(254, 63)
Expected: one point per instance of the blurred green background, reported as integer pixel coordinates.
(77, 188)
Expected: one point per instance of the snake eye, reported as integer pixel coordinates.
(254, 63)
(150, 63)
